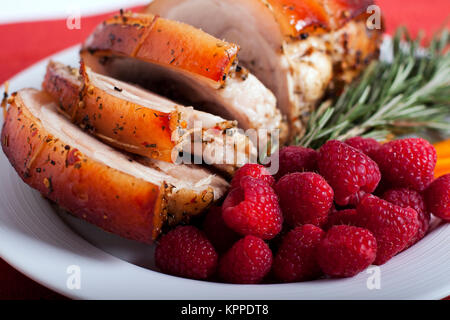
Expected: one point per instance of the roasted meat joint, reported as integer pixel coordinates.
(167, 104)
(299, 49)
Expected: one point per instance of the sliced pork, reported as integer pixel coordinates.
(185, 63)
(143, 123)
(134, 199)
(298, 48)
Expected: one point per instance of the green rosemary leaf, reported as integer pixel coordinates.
(409, 94)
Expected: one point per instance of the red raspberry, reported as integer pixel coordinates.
(354, 199)
(256, 171)
(392, 225)
(407, 163)
(296, 159)
(346, 251)
(366, 145)
(304, 198)
(252, 209)
(437, 197)
(296, 259)
(407, 198)
(347, 217)
(186, 252)
(217, 231)
(347, 170)
(248, 261)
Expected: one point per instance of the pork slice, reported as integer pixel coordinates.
(143, 123)
(185, 64)
(95, 182)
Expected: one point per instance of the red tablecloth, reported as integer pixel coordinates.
(25, 43)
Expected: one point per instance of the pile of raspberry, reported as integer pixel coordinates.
(326, 213)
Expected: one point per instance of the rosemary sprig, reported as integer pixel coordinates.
(411, 93)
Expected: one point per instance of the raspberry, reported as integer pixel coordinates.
(248, 261)
(393, 226)
(346, 251)
(437, 197)
(407, 198)
(185, 251)
(296, 159)
(256, 171)
(407, 163)
(366, 145)
(252, 209)
(354, 199)
(348, 171)
(217, 231)
(296, 259)
(347, 217)
(304, 198)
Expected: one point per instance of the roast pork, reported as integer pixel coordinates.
(184, 63)
(132, 198)
(143, 123)
(298, 48)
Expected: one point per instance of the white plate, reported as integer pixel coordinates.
(43, 244)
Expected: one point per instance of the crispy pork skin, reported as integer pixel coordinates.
(298, 48)
(185, 63)
(134, 199)
(143, 123)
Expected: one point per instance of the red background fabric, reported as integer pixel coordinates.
(26, 43)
